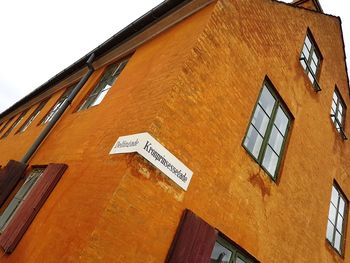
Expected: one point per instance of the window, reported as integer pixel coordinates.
(6, 124)
(20, 117)
(32, 117)
(27, 202)
(225, 252)
(268, 130)
(336, 218)
(57, 106)
(338, 110)
(310, 59)
(103, 86)
(20, 196)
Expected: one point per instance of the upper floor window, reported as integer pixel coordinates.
(336, 219)
(338, 110)
(14, 124)
(32, 117)
(226, 252)
(20, 196)
(103, 86)
(268, 130)
(6, 124)
(310, 59)
(49, 116)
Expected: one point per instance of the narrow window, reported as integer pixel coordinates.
(32, 117)
(226, 252)
(338, 110)
(20, 196)
(57, 106)
(103, 86)
(310, 59)
(19, 119)
(268, 130)
(6, 124)
(336, 219)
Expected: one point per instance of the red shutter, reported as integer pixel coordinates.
(31, 206)
(9, 177)
(193, 242)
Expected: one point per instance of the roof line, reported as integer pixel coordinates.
(300, 7)
(316, 3)
(343, 42)
(140, 24)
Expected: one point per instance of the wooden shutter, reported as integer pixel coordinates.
(19, 197)
(193, 242)
(30, 206)
(9, 177)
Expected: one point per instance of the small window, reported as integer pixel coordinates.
(336, 219)
(19, 119)
(103, 86)
(20, 196)
(57, 106)
(338, 110)
(226, 252)
(268, 130)
(32, 117)
(6, 124)
(310, 59)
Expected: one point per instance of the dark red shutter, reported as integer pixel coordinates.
(31, 206)
(9, 177)
(193, 242)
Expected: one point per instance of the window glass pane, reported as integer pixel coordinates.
(337, 240)
(267, 101)
(315, 58)
(335, 97)
(281, 120)
(276, 140)
(313, 67)
(335, 196)
(220, 253)
(239, 260)
(333, 119)
(339, 223)
(253, 141)
(330, 231)
(311, 78)
(341, 206)
(100, 97)
(340, 118)
(260, 120)
(332, 213)
(308, 42)
(306, 52)
(303, 64)
(270, 161)
(333, 108)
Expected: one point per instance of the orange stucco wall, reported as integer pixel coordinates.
(194, 88)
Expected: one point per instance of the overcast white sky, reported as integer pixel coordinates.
(39, 38)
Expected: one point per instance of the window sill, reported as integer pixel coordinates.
(316, 86)
(332, 249)
(341, 129)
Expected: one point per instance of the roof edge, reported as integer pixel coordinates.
(344, 51)
(315, 2)
(148, 19)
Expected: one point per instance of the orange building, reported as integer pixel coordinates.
(205, 131)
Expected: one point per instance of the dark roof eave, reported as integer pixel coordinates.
(126, 33)
(343, 43)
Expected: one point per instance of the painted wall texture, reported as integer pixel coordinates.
(194, 88)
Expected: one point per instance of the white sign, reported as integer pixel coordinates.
(157, 154)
